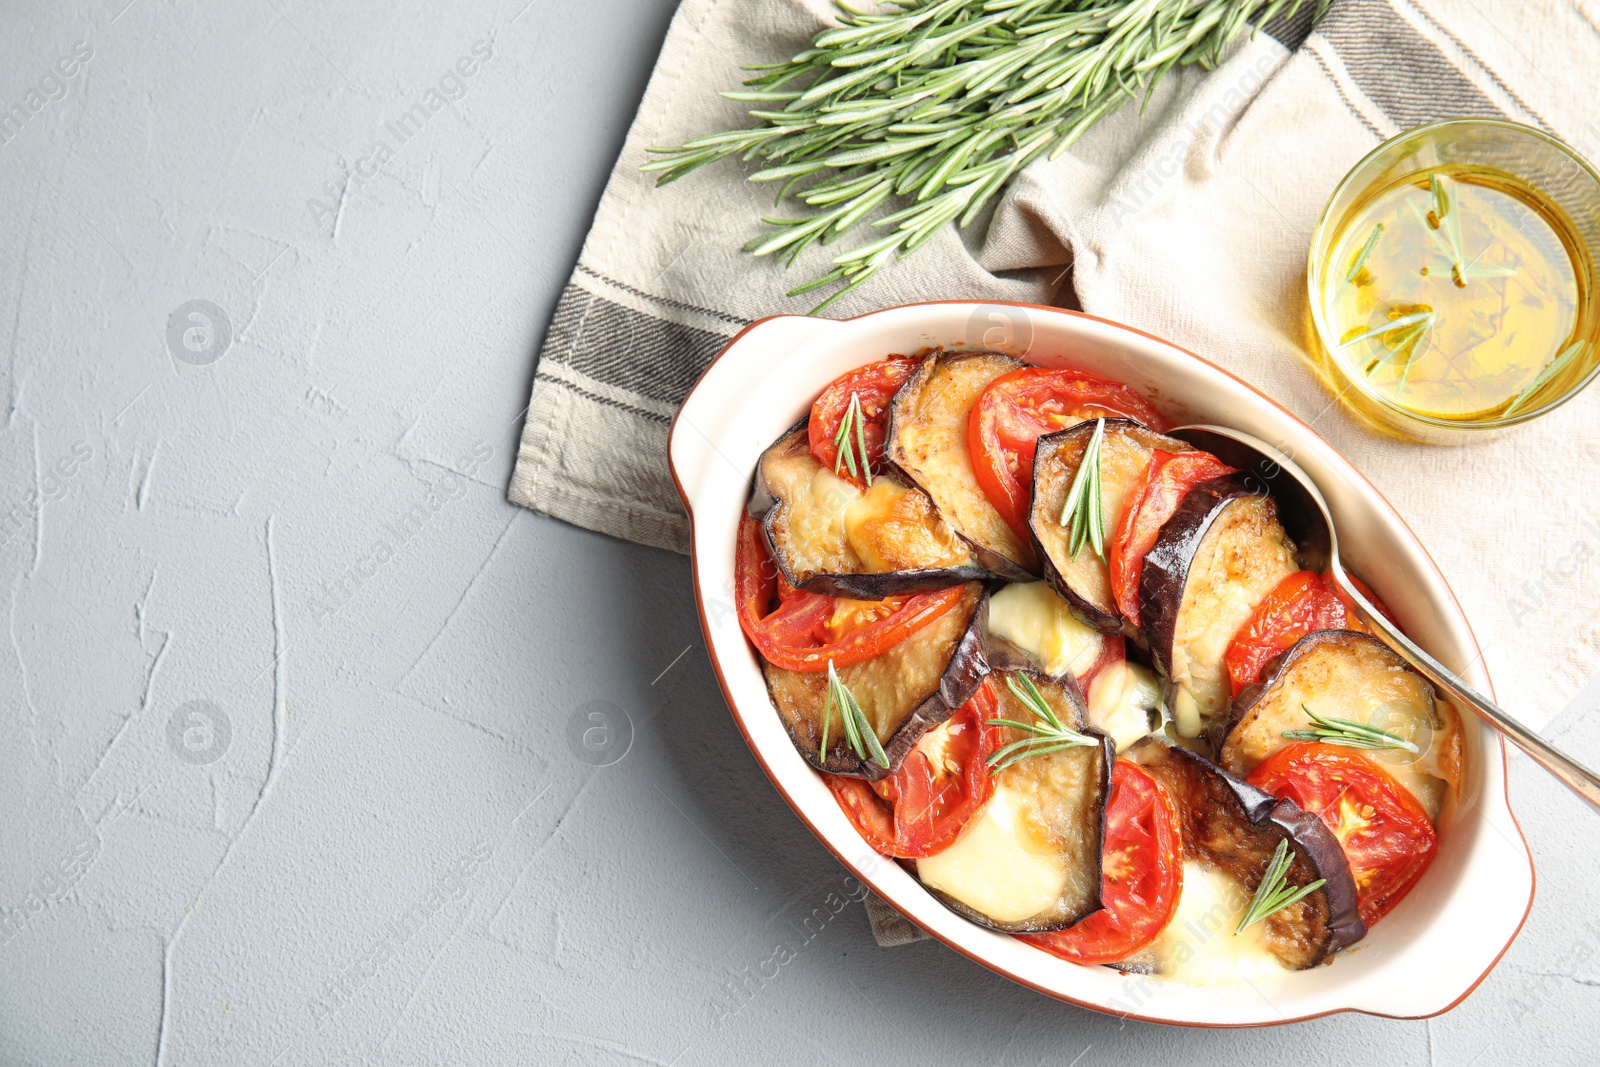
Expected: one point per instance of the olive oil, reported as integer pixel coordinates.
(1461, 294)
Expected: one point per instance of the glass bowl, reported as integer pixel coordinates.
(1565, 178)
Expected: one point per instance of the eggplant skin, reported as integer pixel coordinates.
(1084, 582)
(1195, 591)
(810, 546)
(1079, 778)
(1349, 675)
(905, 691)
(927, 443)
(1231, 825)
(1166, 565)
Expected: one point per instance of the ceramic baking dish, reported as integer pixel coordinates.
(1427, 955)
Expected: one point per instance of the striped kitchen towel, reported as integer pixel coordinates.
(1189, 218)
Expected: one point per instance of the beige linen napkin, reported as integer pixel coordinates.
(1189, 219)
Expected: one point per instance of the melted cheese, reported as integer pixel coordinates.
(1199, 946)
(1186, 713)
(1122, 700)
(1413, 773)
(888, 526)
(878, 506)
(833, 496)
(1000, 866)
(1037, 621)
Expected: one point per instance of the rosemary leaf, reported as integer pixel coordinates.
(861, 438)
(836, 698)
(1097, 507)
(1272, 895)
(827, 717)
(1451, 221)
(1006, 756)
(1361, 257)
(1551, 369)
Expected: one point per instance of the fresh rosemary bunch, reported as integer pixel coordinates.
(935, 104)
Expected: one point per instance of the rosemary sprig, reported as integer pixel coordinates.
(854, 422)
(1445, 215)
(1413, 319)
(1401, 336)
(1272, 896)
(1551, 369)
(1049, 733)
(1083, 512)
(858, 731)
(1348, 733)
(1403, 349)
(928, 109)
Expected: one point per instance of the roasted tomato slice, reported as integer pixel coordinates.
(922, 808)
(875, 385)
(1298, 605)
(1004, 427)
(1302, 603)
(870, 814)
(1141, 877)
(1385, 833)
(1151, 500)
(805, 631)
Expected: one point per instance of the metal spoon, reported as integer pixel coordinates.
(1305, 516)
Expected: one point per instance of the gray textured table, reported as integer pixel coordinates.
(290, 692)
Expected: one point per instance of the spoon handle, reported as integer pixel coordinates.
(1580, 779)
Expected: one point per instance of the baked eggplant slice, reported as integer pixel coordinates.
(1222, 551)
(904, 691)
(927, 442)
(1230, 831)
(1341, 674)
(1029, 861)
(1124, 454)
(830, 536)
